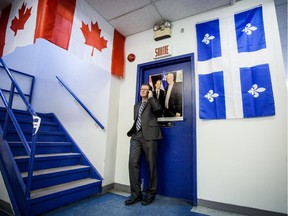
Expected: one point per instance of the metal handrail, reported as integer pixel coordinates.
(79, 101)
(19, 73)
(36, 124)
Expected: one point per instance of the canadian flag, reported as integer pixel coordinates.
(70, 24)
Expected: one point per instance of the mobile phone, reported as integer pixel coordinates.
(147, 93)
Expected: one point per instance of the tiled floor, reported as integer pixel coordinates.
(213, 212)
(198, 209)
(110, 204)
(113, 204)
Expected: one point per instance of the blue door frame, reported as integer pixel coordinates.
(187, 127)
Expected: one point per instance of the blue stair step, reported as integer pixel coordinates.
(20, 114)
(53, 176)
(46, 161)
(52, 197)
(18, 149)
(48, 192)
(48, 126)
(48, 136)
(27, 124)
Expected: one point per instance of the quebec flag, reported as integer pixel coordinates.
(212, 95)
(209, 35)
(233, 67)
(249, 28)
(257, 94)
(164, 81)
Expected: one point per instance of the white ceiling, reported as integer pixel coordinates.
(133, 16)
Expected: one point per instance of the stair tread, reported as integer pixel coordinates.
(40, 143)
(61, 187)
(46, 155)
(53, 170)
(39, 132)
(25, 120)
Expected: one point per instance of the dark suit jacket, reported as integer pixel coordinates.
(150, 127)
(161, 97)
(175, 100)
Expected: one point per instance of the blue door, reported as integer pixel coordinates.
(177, 149)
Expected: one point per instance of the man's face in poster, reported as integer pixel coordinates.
(158, 84)
(170, 78)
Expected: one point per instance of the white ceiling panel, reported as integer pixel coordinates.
(175, 10)
(111, 9)
(137, 21)
(133, 16)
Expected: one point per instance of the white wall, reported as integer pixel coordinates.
(240, 162)
(4, 194)
(90, 84)
(281, 10)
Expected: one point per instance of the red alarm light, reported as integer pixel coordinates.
(131, 57)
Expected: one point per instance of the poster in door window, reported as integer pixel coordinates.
(168, 89)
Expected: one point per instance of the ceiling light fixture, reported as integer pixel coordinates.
(156, 27)
(162, 31)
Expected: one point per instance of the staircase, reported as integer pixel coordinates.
(61, 174)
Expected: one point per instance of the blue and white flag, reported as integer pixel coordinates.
(249, 27)
(257, 94)
(164, 81)
(212, 95)
(208, 37)
(233, 67)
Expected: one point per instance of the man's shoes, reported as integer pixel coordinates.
(148, 200)
(132, 200)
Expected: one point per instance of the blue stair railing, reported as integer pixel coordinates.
(79, 101)
(36, 124)
(22, 76)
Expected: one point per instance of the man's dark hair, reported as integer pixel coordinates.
(147, 84)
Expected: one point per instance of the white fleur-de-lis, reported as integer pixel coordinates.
(254, 91)
(211, 95)
(249, 28)
(207, 38)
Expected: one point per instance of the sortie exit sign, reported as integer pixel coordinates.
(162, 51)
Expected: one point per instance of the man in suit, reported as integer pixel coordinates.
(159, 94)
(144, 135)
(173, 97)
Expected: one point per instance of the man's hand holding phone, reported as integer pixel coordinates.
(150, 94)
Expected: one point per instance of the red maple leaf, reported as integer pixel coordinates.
(92, 38)
(23, 17)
